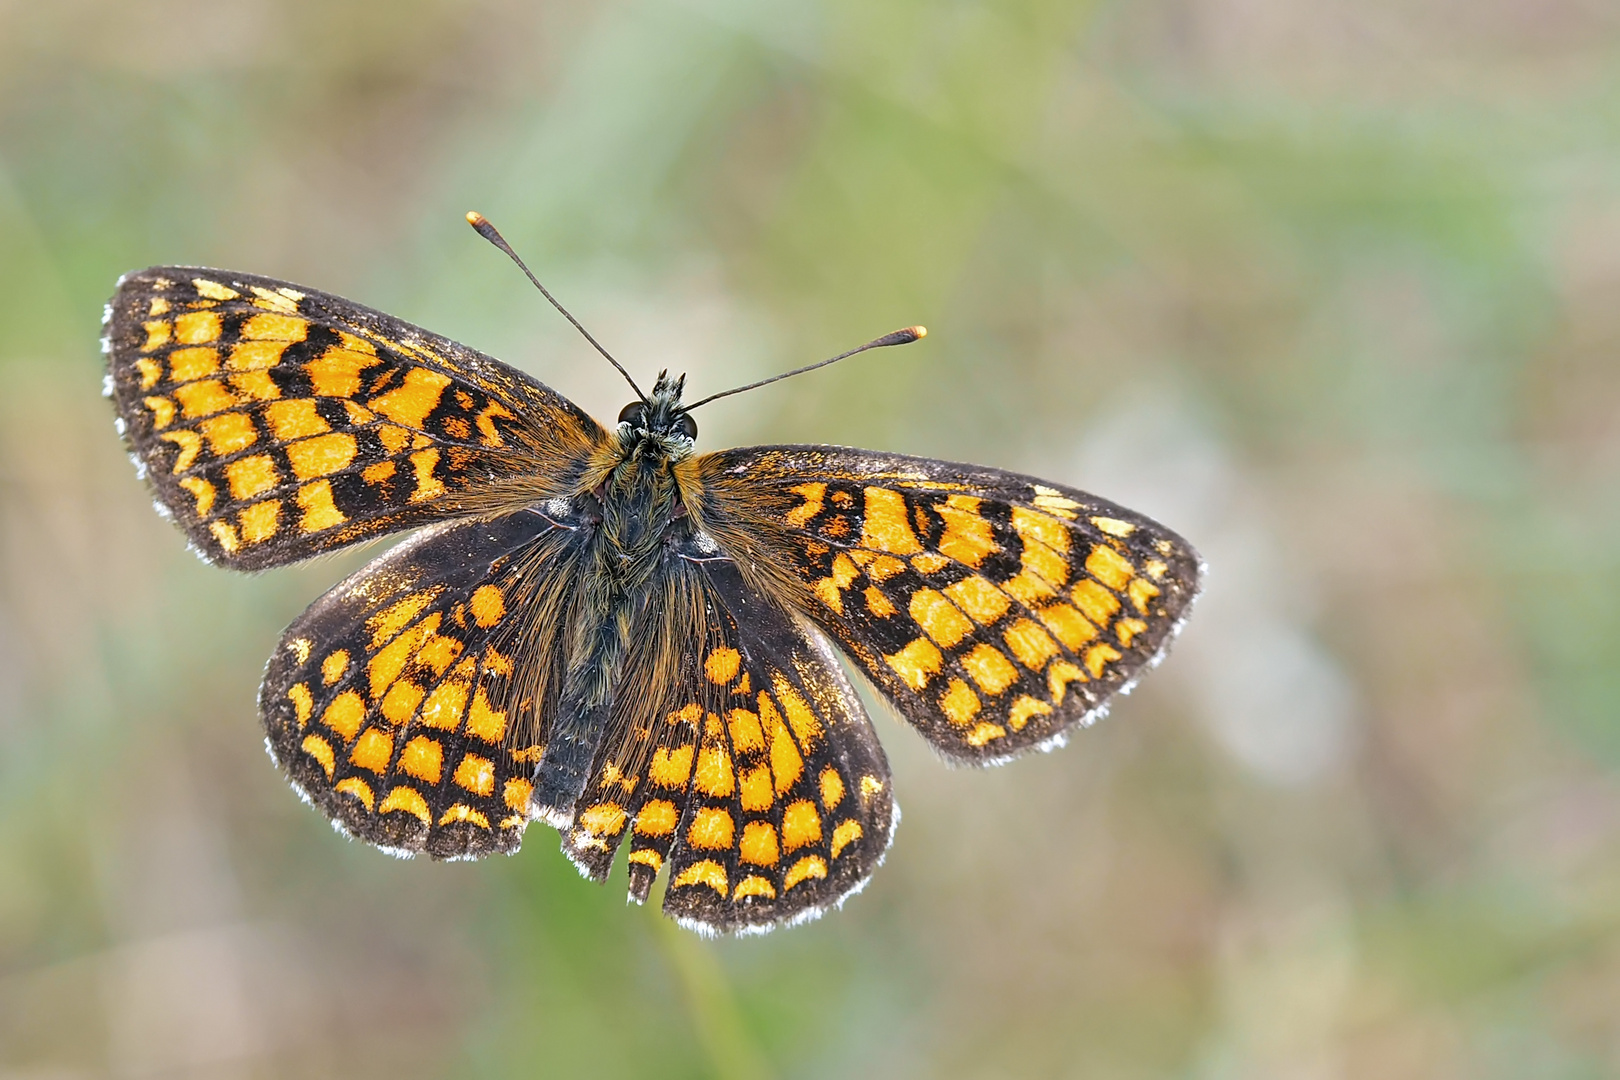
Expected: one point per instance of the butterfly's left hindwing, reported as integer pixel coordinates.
(410, 702)
(994, 610)
(276, 422)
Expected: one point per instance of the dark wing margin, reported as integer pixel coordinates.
(763, 790)
(408, 703)
(276, 422)
(995, 611)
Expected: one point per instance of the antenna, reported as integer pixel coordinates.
(481, 224)
(899, 337)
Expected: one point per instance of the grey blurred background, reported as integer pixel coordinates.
(1332, 287)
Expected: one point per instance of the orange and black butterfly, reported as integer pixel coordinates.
(600, 628)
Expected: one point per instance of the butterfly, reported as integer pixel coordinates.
(598, 627)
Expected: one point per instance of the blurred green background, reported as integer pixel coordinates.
(1332, 287)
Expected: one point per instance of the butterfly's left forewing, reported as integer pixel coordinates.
(994, 610)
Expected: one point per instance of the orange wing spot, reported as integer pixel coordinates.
(428, 486)
(1029, 589)
(811, 866)
(1024, 709)
(229, 432)
(959, 703)
(515, 794)
(159, 306)
(983, 732)
(878, 604)
(884, 567)
(1030, 644)
(754, 789)
(255, 355)
(354, 344)
(1126, 629)
(162, 410)
(408, 800)
(353, 785)
(213, 290)
(438, 652)
(980, 599)
(603, 819)
(256, 386)
(759, 844)
(887, 525)
(477, 775)
(714, 774)
(708, 872)
(786, 762)
(1031, 525)
(917, 663)
(1100, 656)
(186, 365)
(832, 787)
(157, 336)
(929, 563)
(376, 474)
(422, 758)
(274, 327)
(711, 829)
(1109, 567)
(1113, 526)
(754, 885)
(252, 476)
(487, 605)
(1060, 505)
(968, 537)
(259, 521)
(648, 857)
(400, 703)
(800, 717)
(204, 492)
(489, 434)
(151, 371)
(990, 668)
(300, 648)
(1059, 676)
(295, 419)
(658, 817)
(372, 750)
(190, 445)
(225, 533)
(320, 512)
(812, 494)
(393, 437)
(204, 398)
(870, 785)
(746, 734)
(1068, 624)
(830, 589)
(484, 722)
(1141, 590)
(1155, 569)
(939, 618)
(847, 832)
(444, 706)
(321, 750)
(334, 666)
(1041, 560)
(801, 824)
(196, 328)
(463, 812)
(496, 663)
(322, 455)
(345, 714)
(303, 701)
(410, 403)
(395, 617)
(722, 665)
(1097, 602)
(336, 372)
(670, 767)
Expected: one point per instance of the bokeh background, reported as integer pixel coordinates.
(1332, 287)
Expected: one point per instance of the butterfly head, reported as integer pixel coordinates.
(661, 419)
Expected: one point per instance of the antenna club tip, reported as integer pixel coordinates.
(475, 219)
(917, 332)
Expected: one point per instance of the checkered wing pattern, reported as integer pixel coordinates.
(410, 703)
(994, 610)
(276, 422)
(761, 784)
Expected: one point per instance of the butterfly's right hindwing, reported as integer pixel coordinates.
(276, 422)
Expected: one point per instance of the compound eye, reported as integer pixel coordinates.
(686, 425)
(634, 414)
